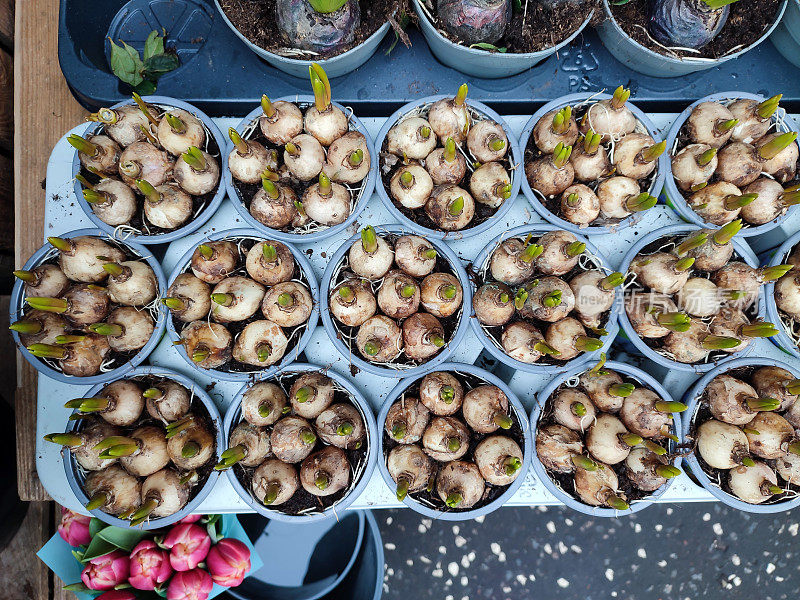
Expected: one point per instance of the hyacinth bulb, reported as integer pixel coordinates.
(474, 21)
(313, 25)
(686, 23)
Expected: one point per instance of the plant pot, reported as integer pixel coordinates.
(741, 252)
(480, 63)
(291, 353)
(692, 400)
(196, 222)
(675, 197)
(306, 238)
(515, 156)
(656, 184)
(517, 411)
(646, 61)
(380, 368)
(75, 476)
(233, 416)
(540, 369)
(782, 340)
(306, 567)
(786, 36)
(546, 479)
(365, 579)
(17, 303)
(338, 65)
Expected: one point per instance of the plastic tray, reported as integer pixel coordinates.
(222, 76)
(63, 214)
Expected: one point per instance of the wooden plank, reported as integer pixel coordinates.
(49, 111)
(7, 22)
(6, 100)
(6, 206)
(22, 575)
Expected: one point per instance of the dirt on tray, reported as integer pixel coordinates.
(256, 20)
(536, 26)
(746, 23)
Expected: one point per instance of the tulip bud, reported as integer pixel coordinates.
(74, 528)
(107, 571)
(188, 544)
(229, 561)
(190, 585)
(191, 519)
(150, 566)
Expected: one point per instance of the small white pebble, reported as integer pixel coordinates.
(793, 528)
(575, 549)
(495, 548)
(390, 572)
(662, 563)
(659, 527)
(389, 520)
(770, 569)
(421, 529)
(637, 527)
(736, 560)
(464, 597)
(778, 578)
(425, 560)
(452, 568)
(442, 550)
(480, 519)
(562, 583)
(568, 522)
(456, 529)
(548, 549)
(471, 556)
(737, 581)
(717, 528)
(706, 516)
(427, 522)
(532, 577)
(551, 527)
(506, 589)
(437, 573)
(610, 574)
(464, 581)
(501, 557)
(448, 597)
(465, 561)
(410, 562)
(562, 547)
(641, 553)
(460, 541)
(389, 546)
(522, 579)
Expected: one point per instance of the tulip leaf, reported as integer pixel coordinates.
(97, 547)
(77, 587)
(95, 526)
(124, 539)
(125, 63)
(160, 64)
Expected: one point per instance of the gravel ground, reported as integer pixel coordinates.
(680, 552)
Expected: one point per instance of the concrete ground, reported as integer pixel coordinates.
(675, 552)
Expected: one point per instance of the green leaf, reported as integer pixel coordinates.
(78, 555)
(124, 64)
(97, 547)
(146, 88)
(489, 47)
(124, 539)
(153, 45)
(160, 63)
(95, 526)
(77, 587)
(619, 2)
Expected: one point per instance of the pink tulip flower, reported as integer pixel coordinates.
(188, 544)
(229, 562)
(150, 566)
(107, 571)
(191, 519)
(74, 528)
(190, 585)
